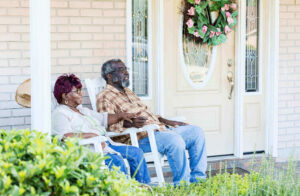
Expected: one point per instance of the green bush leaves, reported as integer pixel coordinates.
(32, 164)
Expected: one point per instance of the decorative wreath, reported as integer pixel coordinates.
(209, 21)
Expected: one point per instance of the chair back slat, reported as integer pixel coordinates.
(94, 87)
(53, 99)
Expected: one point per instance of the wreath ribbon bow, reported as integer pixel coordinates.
(209, 21)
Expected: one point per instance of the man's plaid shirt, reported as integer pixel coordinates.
(113, 101)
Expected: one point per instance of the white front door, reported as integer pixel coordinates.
(208, 106)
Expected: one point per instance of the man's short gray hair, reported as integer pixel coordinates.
(107, 67)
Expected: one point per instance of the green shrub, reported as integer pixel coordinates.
(30, 164)
(265, 181)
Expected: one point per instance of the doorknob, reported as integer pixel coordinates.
(231, 82)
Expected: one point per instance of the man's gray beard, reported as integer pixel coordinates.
(115, 79)
(125, 83)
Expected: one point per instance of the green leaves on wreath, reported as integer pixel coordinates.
(201, 7)
(191, 2)
(191, 30)
(202, 20)
(216, 40)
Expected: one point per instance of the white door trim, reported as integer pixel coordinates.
(271, 99)
(159, 87)
(239, 80)
(129, 38)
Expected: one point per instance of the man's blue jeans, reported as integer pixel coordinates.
(135, 158)
(173, 144)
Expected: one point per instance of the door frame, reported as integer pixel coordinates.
(271, 76)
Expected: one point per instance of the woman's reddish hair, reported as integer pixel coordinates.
(64, 84)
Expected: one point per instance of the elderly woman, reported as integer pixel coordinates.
(70, 119)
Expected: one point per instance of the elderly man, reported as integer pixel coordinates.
(173, 137)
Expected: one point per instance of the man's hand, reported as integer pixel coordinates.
(176, 123)
(172, 123)
(128, 116)
(137, 122)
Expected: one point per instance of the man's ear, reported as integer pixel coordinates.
(109, 77)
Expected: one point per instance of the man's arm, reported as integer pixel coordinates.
(115, 124)
(171, 122)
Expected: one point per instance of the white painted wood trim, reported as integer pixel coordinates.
(271, 98)
(150, 62)
(183, 65)
(129, 38)
(160, 57)
(239, 79)
(40, 65)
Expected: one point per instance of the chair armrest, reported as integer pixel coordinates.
(133, 133)
(95, 141)
(133, 130)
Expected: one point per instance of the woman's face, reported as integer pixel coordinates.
(74, 97)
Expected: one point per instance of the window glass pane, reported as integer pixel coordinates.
(140, 47)
(197, 56)
(197, 59)
(252, 48)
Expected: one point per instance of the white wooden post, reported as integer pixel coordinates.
(271, 99)
(240, 79)
(159, 58)
(40, 65)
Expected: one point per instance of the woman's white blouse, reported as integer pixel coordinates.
(65, 120)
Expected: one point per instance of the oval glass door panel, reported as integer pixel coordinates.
(197, 60)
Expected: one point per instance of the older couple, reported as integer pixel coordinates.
(119, 108)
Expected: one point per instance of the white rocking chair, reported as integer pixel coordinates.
(95, 86)
(94, 142)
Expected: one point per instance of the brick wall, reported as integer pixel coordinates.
(84, 34)
(289, 76)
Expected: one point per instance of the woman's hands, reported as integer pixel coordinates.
(103, 145)
(81, 135)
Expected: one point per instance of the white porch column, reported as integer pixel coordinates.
(271, 123)
(40, 65)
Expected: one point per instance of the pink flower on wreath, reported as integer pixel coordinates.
(219, 32)
(196, 34)
(197, 2)
(233, 6)
(191, 11)
(204, 29)
(227, 14)
(212, 33)
(225, 8)
(190, 23)
(230, 20)
(227, 29)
